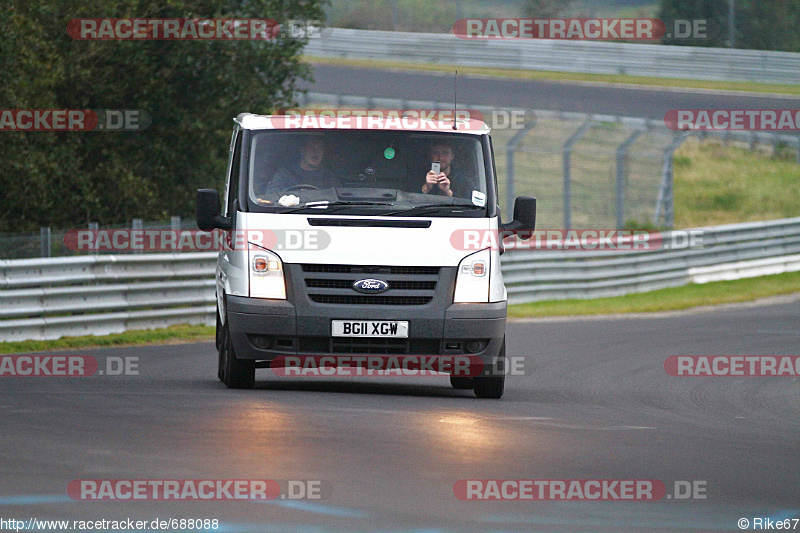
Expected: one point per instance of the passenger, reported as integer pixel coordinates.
(309, 170)
(442, 183)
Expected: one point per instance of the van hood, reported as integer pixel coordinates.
(359, 240)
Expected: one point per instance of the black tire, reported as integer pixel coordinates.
(462, 383)
(220, 358)
(236, 373)
(493, 385)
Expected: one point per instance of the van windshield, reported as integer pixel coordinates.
(384, 173)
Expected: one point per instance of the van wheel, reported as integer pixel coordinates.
(220, 355)
(236, 373)
(493, 386)
(462, 383)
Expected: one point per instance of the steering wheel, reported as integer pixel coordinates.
(301, 187)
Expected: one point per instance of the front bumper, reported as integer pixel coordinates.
(264, 329)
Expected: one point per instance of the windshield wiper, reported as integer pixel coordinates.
(432, 208)
(325, 207)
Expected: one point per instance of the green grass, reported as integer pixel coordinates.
(718, 184)
(178, 333)
(567, 76)
(675, 299)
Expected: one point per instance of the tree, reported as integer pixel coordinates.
(192, 90)
(546, 9)
(759, 24)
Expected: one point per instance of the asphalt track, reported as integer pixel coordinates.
(595, 402)
(648, 102)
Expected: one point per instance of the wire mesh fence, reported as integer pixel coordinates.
(586, 171)
(50, 242)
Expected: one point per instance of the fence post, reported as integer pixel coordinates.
(797, 142)
(622, 152)
(511, 148)
(567, 158)
(175, 226)
(665, 190)
(137, 225)
(94, 228)
(46, 241)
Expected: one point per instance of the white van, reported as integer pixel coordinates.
(340, 240)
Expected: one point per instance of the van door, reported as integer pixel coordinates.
(231, 277)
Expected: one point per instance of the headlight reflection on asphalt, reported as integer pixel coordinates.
(463, 437)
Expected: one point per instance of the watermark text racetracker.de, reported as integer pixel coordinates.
(733, 365)
(733, 119)
(609, 240)
(592, 29)
(632, 490)
(467, 366)
(402, 119)
(76, 120)
(164, 240)
(199, 489)
(192, 29)
(67, 366)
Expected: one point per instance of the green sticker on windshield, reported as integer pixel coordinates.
(388, 153)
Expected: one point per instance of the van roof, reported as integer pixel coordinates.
(387, 120)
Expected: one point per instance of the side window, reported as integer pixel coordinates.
(233, 178)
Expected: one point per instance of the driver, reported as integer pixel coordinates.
(309, 170)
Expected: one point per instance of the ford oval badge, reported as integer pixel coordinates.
(370, 286)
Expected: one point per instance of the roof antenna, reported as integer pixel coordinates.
(455, 100)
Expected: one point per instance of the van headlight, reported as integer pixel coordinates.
(266, 275)
(472, 280)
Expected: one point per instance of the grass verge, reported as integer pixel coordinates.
(718, 184)
(622, 79)
(674, 299)
(181, 332)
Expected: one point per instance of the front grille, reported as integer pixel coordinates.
(333, 284)
(357, 299)
(314, 283)
(358, 269)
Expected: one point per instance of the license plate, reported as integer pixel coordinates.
(369, 328)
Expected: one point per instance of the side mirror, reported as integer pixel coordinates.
(524, 217)
(208, 212)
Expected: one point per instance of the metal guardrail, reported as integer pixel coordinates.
(98, 295)
(592, 57)
(102, 294)
(551, 275)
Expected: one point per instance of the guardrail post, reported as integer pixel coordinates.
(665, 190)
(137, 225)
(622, 153)
(46, 241)
(511, 148)
(94, 227)
(567, 157)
